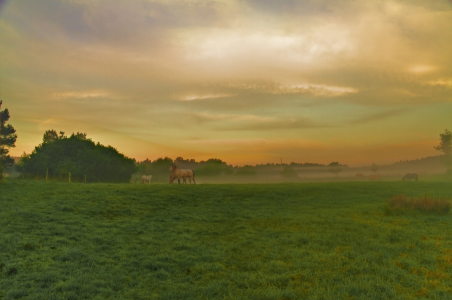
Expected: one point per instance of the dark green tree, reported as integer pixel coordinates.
(159, 169)
(288, 172)
(50, 136)
(246, 170)
(8, 139)
(214, 167)
(334, 168)
(80, 156)
(445, 146)
(374, 168)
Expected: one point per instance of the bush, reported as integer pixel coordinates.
(425, 204)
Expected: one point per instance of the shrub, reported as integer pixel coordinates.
(425, 204)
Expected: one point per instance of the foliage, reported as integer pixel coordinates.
(334, 167)
(8, 138)
(247, 241)
(246, 170)
(50, 136)
(374, 168)
(288, 172)
(159, 168)
(214, 167)
(78, 155)
(425, 204)
(445, 146)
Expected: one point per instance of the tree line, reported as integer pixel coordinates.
(58, 155)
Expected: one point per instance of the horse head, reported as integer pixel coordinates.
(173, 167)
(171, 178)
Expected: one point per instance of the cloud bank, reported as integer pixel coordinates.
(165, 72)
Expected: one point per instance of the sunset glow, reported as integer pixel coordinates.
(244, 81)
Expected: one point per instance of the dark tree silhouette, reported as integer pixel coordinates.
(445, 146)
(334, 168)
(374, 168)
(78, 155)
(50, 136)
(8, 138)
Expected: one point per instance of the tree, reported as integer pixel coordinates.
(50, 136)
(334, 168)
(246, 170)
(80, 136)
(8, 139)
(445, 146)
(374, 168)
(160, 169)
(288, 172)
(80, 156)
(214, 167)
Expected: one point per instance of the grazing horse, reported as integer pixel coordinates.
(409, 176)
(181, 173)
(374, 177)
(145, 179)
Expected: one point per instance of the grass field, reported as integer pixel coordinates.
(243, 241)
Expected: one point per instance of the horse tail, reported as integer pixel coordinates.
(193, 176)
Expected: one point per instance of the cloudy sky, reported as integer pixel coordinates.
(247, 81)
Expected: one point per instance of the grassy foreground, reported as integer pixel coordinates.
(273, 241)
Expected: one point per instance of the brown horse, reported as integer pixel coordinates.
(181, 173)
(409, 176)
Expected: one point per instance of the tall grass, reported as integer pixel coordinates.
(424, 204)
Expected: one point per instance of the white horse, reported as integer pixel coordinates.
(145, 179)
(184, 174)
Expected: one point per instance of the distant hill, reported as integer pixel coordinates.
(428, 162)
(431, 164)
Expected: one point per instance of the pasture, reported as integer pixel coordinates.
(231, 241)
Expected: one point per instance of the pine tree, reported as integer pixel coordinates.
(8, 138)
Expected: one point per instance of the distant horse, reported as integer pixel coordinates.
(359, 175)
(409, 176)
(374, 177)
(145, 179)
(181, 173)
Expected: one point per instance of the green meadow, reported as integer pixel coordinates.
(221, 241)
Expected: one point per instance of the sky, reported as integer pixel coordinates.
(248, 81)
